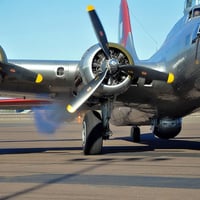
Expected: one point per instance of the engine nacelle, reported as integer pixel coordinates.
(167, 128)
(93, 62)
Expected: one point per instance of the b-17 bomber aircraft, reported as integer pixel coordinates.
(110, 84)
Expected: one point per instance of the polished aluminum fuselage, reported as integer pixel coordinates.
(143, 101)
(158, 99)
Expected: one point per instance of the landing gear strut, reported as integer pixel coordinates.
(135, 134)
(106, 107)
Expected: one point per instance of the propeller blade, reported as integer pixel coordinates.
(99, 30)
(86, 92)
(14, 72)
(148, 73)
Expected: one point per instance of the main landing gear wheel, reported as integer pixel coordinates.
(135, 134)
(92, 133)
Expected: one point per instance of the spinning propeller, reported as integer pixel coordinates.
(111, 67)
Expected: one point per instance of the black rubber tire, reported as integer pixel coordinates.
(169, 134)
(92, 134)
(135, 134)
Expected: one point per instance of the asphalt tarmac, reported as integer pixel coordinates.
(37, 166)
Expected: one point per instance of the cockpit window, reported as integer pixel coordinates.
(188, 3)
(194, 13)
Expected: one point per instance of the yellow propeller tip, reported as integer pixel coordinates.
(70, 109)
(170, 78)
(39, 78)
(90, 8)
(196, 61)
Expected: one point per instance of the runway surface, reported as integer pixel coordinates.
(34, 166)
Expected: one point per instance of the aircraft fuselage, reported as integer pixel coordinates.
(179, 55)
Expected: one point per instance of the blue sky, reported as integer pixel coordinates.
(61, 29)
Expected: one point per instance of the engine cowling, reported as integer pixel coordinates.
(167, 128)
(93, 63)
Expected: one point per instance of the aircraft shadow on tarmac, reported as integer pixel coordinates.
(37, 149)
(148, 143)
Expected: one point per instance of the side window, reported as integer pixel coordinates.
(60, 71)
(196, 12)
(196, 33)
